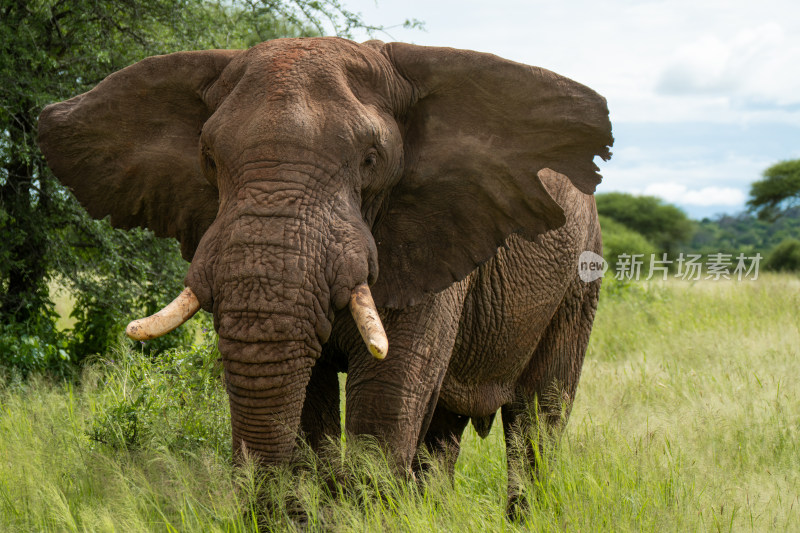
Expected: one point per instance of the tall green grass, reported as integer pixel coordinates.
(687, 418)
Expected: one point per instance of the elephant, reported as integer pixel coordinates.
(409, 215)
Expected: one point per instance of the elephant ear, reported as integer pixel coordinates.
(478, 131)
(129, 147)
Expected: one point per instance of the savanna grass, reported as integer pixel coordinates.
(687, 418)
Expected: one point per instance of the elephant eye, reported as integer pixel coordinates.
(371, 159)
(209, 167)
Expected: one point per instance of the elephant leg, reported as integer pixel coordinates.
(394, 399)
(442, 441)
(544, 394)
(321, 417)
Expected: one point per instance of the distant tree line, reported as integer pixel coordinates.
(648, 225)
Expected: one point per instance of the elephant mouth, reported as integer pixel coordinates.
(184, 307)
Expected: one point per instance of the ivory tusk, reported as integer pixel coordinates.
(362, 306)
(173, 315)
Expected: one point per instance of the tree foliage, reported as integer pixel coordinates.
(785, 257)
(744, 232)
(778, 190)
(619, 240)
(51, 51)
(664, 225)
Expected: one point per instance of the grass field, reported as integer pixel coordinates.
(687, 418)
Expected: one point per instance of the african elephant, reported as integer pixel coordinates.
(440, 196)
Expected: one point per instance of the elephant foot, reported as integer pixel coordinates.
(517, 507)
(441, 443)
(298, 517)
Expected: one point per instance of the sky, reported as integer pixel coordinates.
(703, 95)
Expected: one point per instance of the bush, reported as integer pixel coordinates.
(785, 257)
(118, 276)
(176, 400)
(661, 223)
(619, 240)
(34, 346)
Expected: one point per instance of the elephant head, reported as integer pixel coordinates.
(301, 171)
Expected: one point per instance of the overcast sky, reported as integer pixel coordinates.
(704, 95)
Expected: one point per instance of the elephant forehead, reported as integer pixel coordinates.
(295, 67)
(299, 89)
(311, 70)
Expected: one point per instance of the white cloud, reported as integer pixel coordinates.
(677, 193)
(701, 180)
(757, 65)
(673, 159)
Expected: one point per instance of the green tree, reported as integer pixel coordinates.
(55, 49)
(665, 225)
(776, 191)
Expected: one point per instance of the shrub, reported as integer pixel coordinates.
(785, 257)
(175, 400)
(619, 239)
(664, 224)
(34, 346)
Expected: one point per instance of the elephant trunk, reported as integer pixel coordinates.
(273, 268)
(271, 309)
(266, 384)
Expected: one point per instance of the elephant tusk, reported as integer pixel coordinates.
(173, 315)
(362, 306)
